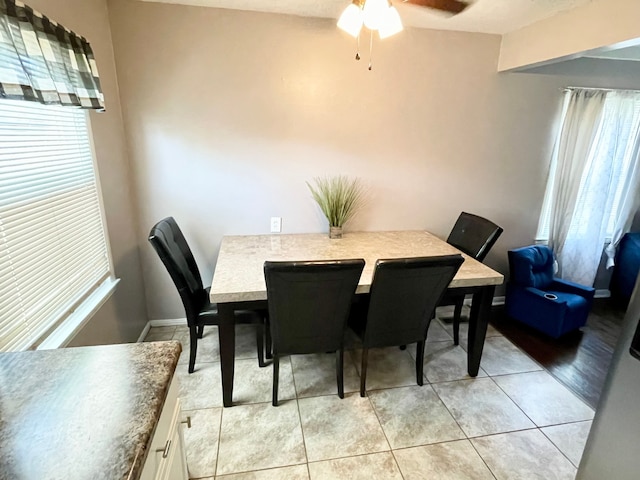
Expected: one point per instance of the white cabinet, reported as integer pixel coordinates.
(166, 459)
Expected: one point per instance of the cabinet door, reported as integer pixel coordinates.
(174, 462)
(166, 459)
(177, 464)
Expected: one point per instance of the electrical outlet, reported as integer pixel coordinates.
(276, 224)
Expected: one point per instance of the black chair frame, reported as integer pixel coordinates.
(404, 294)
(309, 303)
(475, 236)
(174, 252)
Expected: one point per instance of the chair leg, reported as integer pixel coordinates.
(420, 363)
(457, 311)
(268, 345)
(340, 371)
(193, 347)
(363, 371)
(260, 345)
(276, 372)
(200, 331)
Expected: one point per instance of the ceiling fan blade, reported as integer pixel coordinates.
(452, 6)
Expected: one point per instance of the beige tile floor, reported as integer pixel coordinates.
(513, 421)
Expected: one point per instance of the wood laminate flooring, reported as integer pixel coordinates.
(580, 360)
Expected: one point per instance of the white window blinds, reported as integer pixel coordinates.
(53, 250)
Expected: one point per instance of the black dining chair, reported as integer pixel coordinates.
(404, 294)
(172, 248)
(309, 303)
(474, 236)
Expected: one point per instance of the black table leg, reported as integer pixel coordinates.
(227, 337)
(478, 321)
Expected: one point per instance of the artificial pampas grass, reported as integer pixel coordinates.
(339, 197)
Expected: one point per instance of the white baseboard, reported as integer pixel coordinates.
(602, 293)
(496, 301)
(168, 322)
(145, 330)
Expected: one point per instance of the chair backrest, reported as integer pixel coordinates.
(531, 266)
(172, 248)
(474, 235)
(309, 303)
(404, 294)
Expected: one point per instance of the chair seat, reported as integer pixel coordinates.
(209, 316)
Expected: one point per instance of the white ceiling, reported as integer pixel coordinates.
(486, 16)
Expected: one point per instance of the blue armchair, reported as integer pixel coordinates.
(537, 298)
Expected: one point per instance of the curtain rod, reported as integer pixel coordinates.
(565, 89)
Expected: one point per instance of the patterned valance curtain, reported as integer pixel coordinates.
(44, 62)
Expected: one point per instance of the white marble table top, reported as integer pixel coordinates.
(239, 272)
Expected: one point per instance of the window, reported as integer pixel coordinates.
(592, 192)
(55, 264)
(612, 156)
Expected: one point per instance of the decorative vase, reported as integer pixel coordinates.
(335, 232)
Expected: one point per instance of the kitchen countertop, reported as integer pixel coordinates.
(82, 413)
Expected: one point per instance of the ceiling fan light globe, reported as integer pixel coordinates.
(351, 20)
(374, 13)
(392, 24)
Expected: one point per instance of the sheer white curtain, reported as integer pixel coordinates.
(596, 191)
(629, 189)
(577, 135)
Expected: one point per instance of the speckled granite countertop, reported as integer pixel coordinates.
(82, 413)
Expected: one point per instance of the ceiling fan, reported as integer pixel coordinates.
(451, 6)
(382, 16)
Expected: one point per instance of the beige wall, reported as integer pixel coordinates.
(123, 317)
(228, 113)
(600, 23)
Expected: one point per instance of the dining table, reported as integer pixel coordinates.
(238, 280)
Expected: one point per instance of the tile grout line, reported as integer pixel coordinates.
(514, 402)
(470, 439)
(538, 428)
(482, 458)
(375, 412)
(449, 411)
(219, 442)
(297, 400)
(559, 449)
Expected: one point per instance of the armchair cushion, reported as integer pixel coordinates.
(532, 266)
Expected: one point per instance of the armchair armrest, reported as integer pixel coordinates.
(571, 287)
(534, 300)
(541, 295)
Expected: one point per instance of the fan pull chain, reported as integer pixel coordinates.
(371, 50)
(358, 47)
